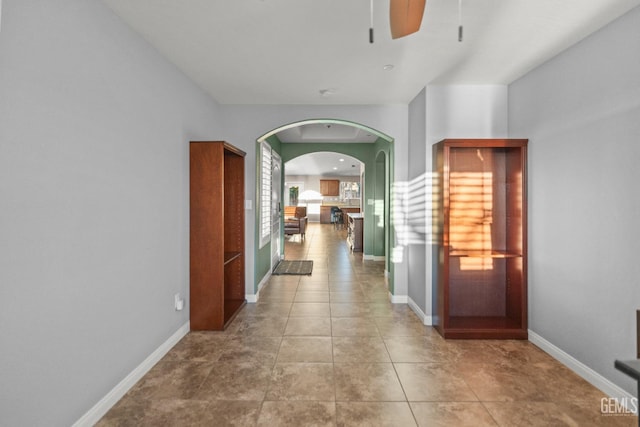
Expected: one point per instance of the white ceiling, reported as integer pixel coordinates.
(287, 51)
(326, 132)
(318, 52)
(323, 164)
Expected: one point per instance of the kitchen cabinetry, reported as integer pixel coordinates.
(354, 231)
(216, 282)
(330, 187)
(480, 221)
(325, 214)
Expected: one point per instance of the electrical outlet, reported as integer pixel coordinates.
(178, 303)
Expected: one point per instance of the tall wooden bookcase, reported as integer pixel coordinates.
(480, 224)
(217, 288)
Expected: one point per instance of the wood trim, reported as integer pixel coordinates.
(471, 143)
(226, 145)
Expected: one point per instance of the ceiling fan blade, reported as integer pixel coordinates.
(405, 17)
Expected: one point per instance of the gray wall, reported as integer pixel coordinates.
(416, 251)
(581, 112)
(436, 113)
(94, 242)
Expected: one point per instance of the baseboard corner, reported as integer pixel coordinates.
(426, 320)
(253, 298)
(98, 410)
(582, 370)
(398, 299)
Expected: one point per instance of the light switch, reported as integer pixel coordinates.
(248, 204)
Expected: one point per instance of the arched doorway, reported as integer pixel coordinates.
(319, 135)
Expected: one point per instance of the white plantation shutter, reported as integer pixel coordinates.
(265, 194)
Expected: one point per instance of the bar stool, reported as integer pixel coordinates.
(334, 209)
(338, 219)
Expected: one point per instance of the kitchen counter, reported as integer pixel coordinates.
(341, 204)
(325, 211)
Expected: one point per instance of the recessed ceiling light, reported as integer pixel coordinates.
(342, 160)
(388, 67)
(335, 168)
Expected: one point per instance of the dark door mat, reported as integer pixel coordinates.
(296, 268)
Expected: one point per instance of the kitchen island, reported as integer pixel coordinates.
(325, 211)
(354, 231)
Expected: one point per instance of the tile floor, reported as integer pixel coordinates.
(329, 349)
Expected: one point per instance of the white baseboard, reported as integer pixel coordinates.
(588, 374)
(426, 320)
(374, 257)
(253, 298)
(397, 299)
(99, 409)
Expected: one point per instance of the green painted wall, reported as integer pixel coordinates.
(380, 204)
(383, 146)
(262, 259)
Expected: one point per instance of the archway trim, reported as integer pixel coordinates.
(324, 121)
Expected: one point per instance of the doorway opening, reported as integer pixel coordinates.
(372, 149)
(323, 180)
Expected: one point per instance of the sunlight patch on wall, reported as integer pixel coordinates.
(412, 213)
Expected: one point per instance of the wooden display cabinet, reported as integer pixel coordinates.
(480, 224)
(217, 287)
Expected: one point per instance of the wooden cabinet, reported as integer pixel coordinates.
(217, 288)
(480, 221)
(330, 187)
(354, 231)
(325, 214)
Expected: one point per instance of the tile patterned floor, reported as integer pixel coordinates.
(330, 350)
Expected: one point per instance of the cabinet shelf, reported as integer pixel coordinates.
(478, 327)
(231, 309)
(484, 254)
(230, 256)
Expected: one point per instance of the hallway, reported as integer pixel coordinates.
(329, 349)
